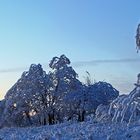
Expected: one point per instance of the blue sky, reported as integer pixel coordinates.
(33, 31)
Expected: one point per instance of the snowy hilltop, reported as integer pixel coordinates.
(56, 105)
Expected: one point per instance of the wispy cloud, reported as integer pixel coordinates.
(18, 69)
(104, 61)
(79, 64)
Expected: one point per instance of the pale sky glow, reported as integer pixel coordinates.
(33, 31)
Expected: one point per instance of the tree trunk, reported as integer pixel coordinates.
(81, 116)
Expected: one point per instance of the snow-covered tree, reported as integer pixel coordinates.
(138, 38)
(2, 106)
(64, 88)
(24, 101)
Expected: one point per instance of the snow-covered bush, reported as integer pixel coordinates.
(125, 108)
(99, 93)
(101, 114)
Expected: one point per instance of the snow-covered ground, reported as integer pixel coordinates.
(74, 131)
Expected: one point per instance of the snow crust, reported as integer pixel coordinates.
(74, 131)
